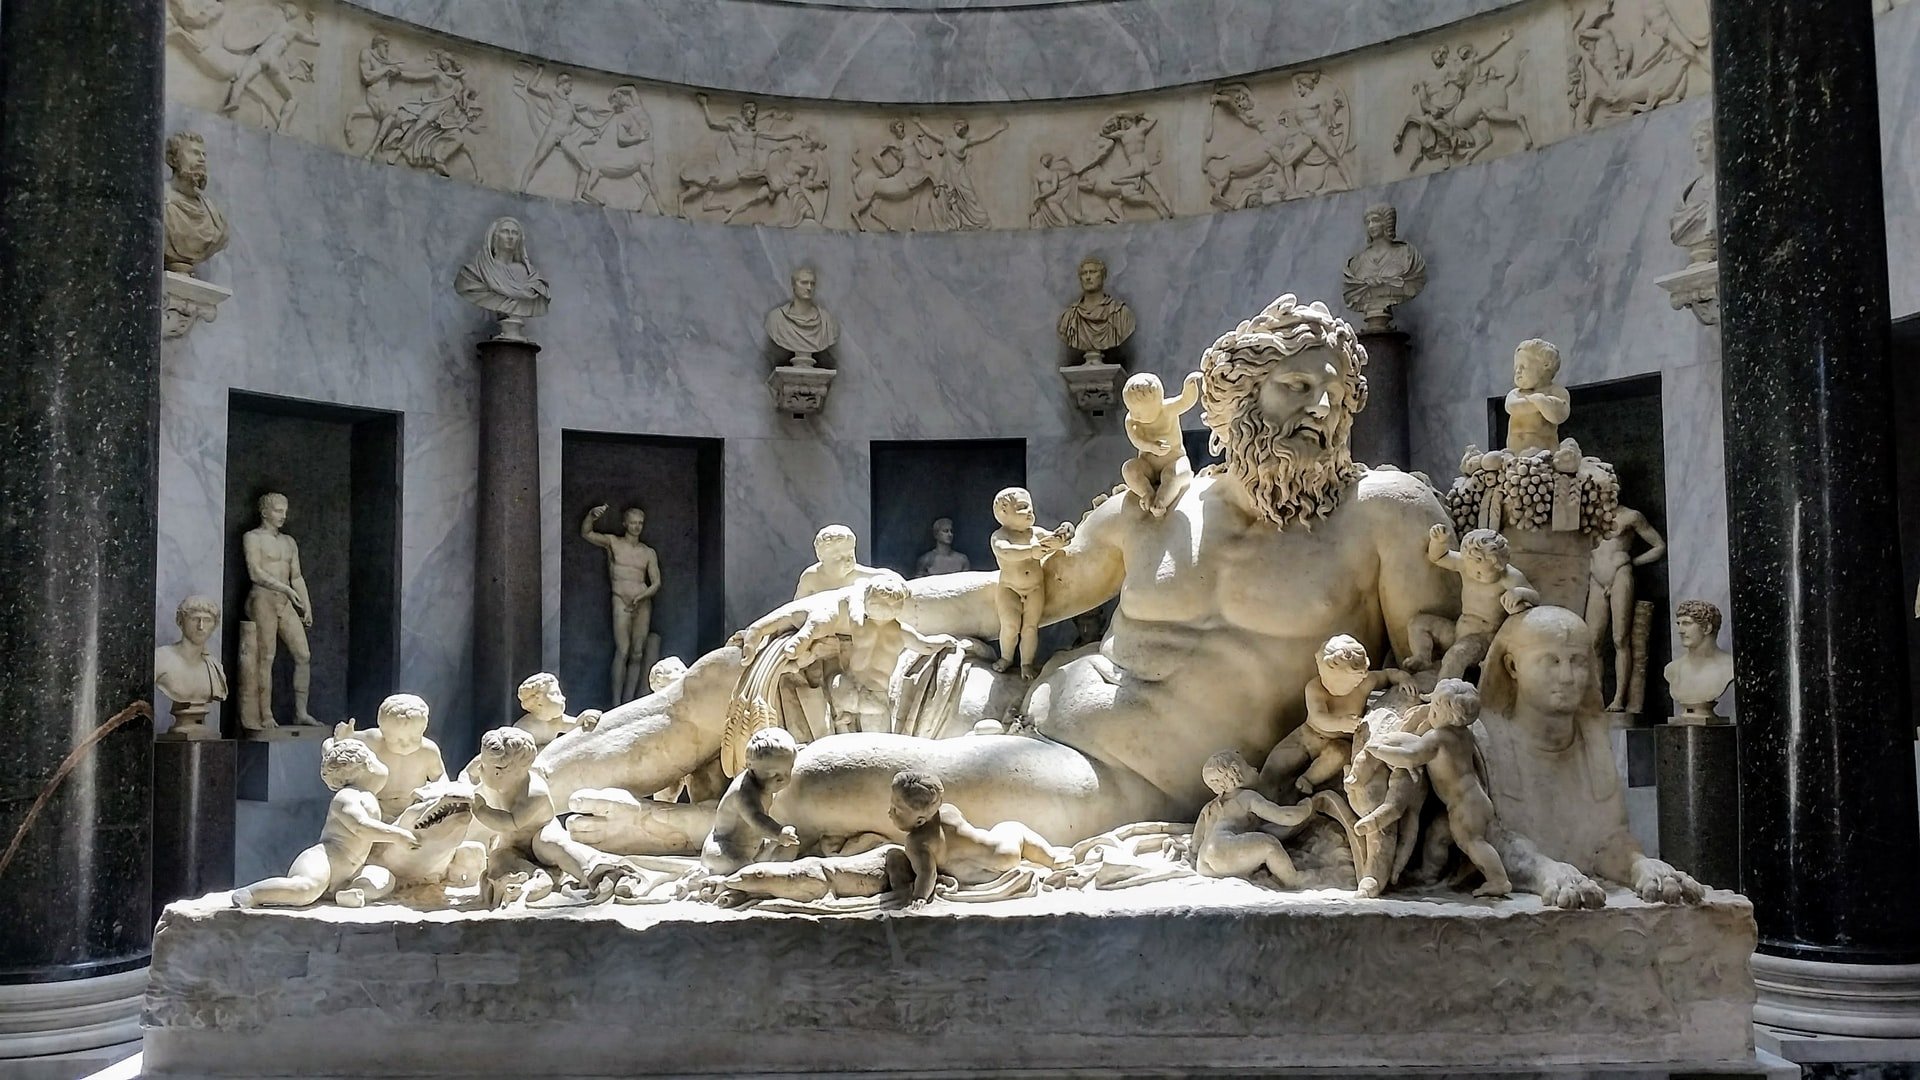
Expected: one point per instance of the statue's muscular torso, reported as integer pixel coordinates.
(1221, 616)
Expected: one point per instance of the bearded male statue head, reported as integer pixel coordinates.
(1222, 605)
(1285, 433)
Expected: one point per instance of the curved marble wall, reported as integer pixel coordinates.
(932, 51)
(1529, 76)
(342, 272)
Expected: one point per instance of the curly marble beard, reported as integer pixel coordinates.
(1285, 484)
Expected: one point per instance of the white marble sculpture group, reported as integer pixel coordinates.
(868, 745)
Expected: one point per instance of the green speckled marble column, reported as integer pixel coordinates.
(80, 99)
(1830, 853)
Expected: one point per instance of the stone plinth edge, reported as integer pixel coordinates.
(1213, 976)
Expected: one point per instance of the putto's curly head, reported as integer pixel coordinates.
(1485, 545)
(509, 747)
(1285, 483)
(344, 760)
(1227, 771)
(1706, 615)
(917, 790)
(543, 686)
(403, 710)
(1456, 702)
(771, 744)
(1343, 652)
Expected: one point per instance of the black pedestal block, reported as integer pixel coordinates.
(193, 813)
(1699, 776)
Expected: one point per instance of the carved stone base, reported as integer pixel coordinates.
(1092, 386)
(1876, 1000)
(1189, 976)
(190, 300)
(800, 391)
(78, 1015)
(1697, 288)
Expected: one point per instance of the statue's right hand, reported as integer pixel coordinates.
(597, 511)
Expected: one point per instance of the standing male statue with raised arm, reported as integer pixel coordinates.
(635, 573)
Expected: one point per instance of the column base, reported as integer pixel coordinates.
(73, 1017)
(1874, 1000)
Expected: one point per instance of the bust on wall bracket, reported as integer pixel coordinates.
(1094, 326)
(1697, 288)
(804, 330)
(195, 232)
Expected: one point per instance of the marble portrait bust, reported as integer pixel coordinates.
(1384, 274)
(187, 673)
(501, 279)
(1699, 676)
(195, 229)
(1096, 322)
(801, 326)
(941, 558)
(1692, 226)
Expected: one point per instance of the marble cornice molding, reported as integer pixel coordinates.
(917, 53)
(1527, 76)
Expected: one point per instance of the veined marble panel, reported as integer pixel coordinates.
(1527, 75)
(933, 51)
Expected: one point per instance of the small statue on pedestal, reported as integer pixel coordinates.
(942, 559)
(1386, 273)
(634, 572)
(1230, 839)
(1491, 588)
(1610, 590)
(743, 831)
(1537, 405)
(940, 840)
(188, 674)
(501, 279)
(1161, 472)
(1697, 678)
(1020, 596)
(351, 769)
(278, 611)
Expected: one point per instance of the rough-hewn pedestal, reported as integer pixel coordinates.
(1190, 977)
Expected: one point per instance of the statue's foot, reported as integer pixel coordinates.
(1617, 705)
(1494, 888)
(305, 719)
(1562, 886)
(1002, 664)
(351, 898)
(1369, 887)
(244, 898)
(1028, 671)
(1658, 883)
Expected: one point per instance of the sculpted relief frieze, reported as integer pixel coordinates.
(1301, 145)
(334, 75)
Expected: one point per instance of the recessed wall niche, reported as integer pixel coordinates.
(917, 481)
(1620, 422)
(678, 483)
(339, 468)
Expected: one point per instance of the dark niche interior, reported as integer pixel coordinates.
(919, 481)
(339, 468)
(678, 483)
(1620, 422)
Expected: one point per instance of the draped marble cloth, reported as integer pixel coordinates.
(502, 284)
(923, 692)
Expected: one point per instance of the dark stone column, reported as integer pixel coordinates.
(1697, 769)
(1831, 859)
(506, 602)
(80, 95)
(1381, 435)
